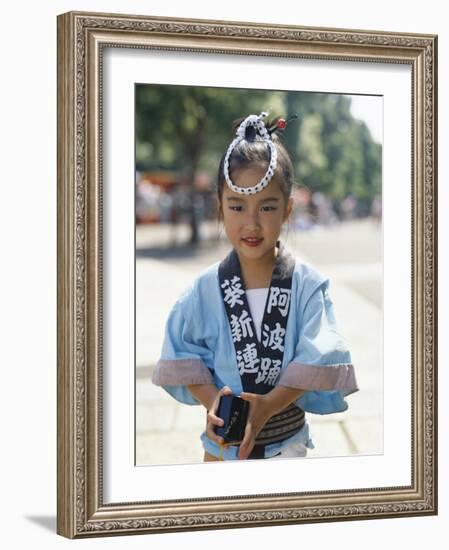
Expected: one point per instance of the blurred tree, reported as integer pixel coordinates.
(334, 152)
(187, 128)
(184, 127)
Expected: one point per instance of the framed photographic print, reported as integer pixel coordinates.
(147, 109)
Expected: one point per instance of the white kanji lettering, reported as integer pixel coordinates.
(280, 298)
(274, 339)
(263, 371)
(235, 328)
(241, 326)
(247, 360)
(233, 291)
(273, 372)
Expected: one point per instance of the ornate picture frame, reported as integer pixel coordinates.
(82, 40)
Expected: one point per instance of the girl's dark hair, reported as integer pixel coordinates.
(254, 151)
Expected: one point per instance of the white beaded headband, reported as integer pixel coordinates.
(257, 122)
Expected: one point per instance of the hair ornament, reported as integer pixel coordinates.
(280, 123)
(253, 125)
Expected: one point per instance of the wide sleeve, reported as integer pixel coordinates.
(322, 363)
(185, 358)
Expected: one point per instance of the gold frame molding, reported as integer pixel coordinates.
(81, 38)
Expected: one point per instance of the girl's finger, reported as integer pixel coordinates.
(215, 420)
(252, 398)
(247, 395)
(246, 444)
(242, 452)
(212, 435)
(245, 450)
(225, 390)
(215, 438)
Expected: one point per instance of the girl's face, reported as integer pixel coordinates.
(253, 222)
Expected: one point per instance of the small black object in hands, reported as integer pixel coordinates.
(233, 411)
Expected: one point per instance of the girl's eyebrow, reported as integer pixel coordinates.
(238, 199)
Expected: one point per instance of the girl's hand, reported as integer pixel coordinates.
(260, 411)
(213, 419)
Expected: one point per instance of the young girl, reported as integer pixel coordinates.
(259, 324)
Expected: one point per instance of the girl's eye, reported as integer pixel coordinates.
(239, 208)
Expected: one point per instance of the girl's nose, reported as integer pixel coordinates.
(252, 218)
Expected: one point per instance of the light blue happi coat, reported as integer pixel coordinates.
(198, 349)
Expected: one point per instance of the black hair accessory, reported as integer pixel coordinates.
(250, 133)
(280, 123)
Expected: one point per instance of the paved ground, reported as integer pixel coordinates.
(349, 254)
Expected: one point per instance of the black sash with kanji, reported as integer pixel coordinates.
(260, 363)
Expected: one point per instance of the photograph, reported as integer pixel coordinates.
(321, 209)
(246, 274)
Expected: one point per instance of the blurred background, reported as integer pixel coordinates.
(336, 226)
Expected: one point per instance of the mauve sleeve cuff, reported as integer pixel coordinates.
(181, 372)
(319, 377)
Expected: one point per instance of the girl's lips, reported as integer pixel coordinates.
(252, 242)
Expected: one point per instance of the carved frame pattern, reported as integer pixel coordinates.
(81, 37)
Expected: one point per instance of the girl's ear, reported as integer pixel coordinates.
(219, 210)
(289, 208)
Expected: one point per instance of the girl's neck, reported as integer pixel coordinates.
(258, 273)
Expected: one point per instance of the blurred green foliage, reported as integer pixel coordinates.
(187, 128)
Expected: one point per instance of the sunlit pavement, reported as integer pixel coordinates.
(350, 254)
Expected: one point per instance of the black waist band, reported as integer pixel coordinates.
(280, 427)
